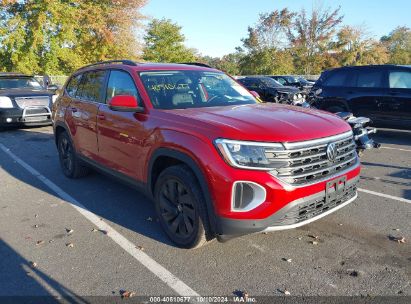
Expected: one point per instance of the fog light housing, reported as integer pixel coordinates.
(9, 120)
(247, 196)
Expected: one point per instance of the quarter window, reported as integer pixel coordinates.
(400, 80)
(336, 79)
(91, 87)
(120, 83)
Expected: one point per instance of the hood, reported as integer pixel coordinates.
(260, 122)
(287, 89)
(24, 92)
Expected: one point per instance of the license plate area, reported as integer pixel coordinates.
(335, 189)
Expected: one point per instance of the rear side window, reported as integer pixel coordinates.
(369, 79)
(282, 81)
(120, 83)
(73, 85)
(91, 87)
(400, 80)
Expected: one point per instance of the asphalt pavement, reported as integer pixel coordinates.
(52, 241)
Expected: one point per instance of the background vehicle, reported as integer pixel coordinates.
(380, 92)
(271, 90)
(23, 101)
(294, 81)
(215, 161)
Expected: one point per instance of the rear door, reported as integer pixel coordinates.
(364, 91)
(122, 135)
(397, 105)
(83, 111)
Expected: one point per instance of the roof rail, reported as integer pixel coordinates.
(197, 64)
(121, 61)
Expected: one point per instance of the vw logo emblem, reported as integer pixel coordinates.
(331, 152)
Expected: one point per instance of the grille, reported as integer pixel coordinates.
(309, 163)
(315, 207)
(32, 101)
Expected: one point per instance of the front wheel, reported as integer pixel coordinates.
(181, 207)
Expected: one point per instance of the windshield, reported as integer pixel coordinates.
(19, 83)
(269, 82)
(193, 89)
(291, 79)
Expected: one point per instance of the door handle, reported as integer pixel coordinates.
(101, 116)
(73, 109)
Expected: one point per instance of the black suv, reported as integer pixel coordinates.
(380, 92)
(24, 101)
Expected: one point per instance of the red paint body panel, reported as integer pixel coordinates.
(125, 141)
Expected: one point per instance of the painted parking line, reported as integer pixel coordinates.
(391, 148)
(385, 195)
(158, 270)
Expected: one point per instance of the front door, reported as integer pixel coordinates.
(121, 135)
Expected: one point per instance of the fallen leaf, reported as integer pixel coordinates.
(94, 230)
(35, 215)
(286, 292)
(33, 264)
(314, 242)
(126, 294)
(150, 219)
(287, 260)
(300, 238)
(399, 239)
(36, 226)
(140, 247)
(70, 245)
(396, 229)
(103, 231)
(40, 242)
(265, 232)
(340, 224)
(69, 231)
(51, 241)
(314, 236)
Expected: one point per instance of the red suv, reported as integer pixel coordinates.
(216, 163)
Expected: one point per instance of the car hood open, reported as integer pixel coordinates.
(262, 122)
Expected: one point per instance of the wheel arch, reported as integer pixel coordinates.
(166, 157)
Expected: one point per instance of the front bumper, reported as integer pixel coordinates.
(295, 214)
(29, 116)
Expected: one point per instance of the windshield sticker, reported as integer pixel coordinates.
(168, 86)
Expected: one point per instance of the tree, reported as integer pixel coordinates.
(398, 42)
(266, 45)
(57, 36)
(354, 47)
(165, 43)
(310, 37)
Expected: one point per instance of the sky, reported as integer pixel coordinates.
(216, 27)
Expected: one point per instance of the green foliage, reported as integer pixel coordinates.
(58, 36)
(398, 43)
(165, 43)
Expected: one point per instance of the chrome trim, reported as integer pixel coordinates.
(24, 115)
(253, 206)
(339, 173)
(318, 142)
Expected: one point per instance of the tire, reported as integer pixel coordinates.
(181, 208)
(70, 164)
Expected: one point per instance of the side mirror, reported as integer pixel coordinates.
(125, 103)
(255, 94)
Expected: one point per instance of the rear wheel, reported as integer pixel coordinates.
(69, 162)
(180, 207)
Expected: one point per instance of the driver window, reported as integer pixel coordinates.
(120, 83)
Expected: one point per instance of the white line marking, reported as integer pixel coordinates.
(399, 149)
(166, 276)
(385, 195)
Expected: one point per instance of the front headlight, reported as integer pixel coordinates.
(251, 155)
(295, 97)
(300, 96)
(6, 103)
